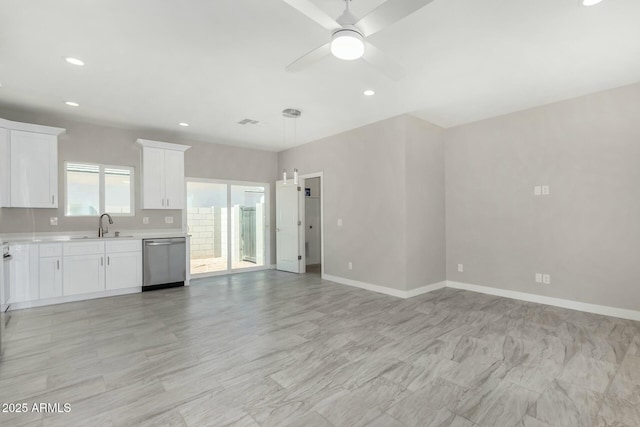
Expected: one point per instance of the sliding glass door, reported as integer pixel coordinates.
(226, 218)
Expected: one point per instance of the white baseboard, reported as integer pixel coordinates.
(426, 289)
(73, 298)
(384, 289)
(522, 296)
(368, 286)
(556, 302)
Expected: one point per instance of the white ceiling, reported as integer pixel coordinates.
(212, 63)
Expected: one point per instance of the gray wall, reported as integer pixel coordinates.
(425, 204)
(115, 146)
(357, 166)
(585, 234)
(365, 176)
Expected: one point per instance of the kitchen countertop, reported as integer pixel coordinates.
(80, 236)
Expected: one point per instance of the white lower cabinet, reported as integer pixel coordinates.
(124, 264)
(50, 277)
(103, 266)
(83, 274)
(24, 273)
(42, 271)
(124, 270)
(50, 270)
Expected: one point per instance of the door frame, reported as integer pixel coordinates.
(267, 226)
(322, 225)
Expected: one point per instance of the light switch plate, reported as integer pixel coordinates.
(460, 268)
(538, 278)
(537, 190)
(339, 222)
(545, 190)
(168, 220)
(350, 265)
(546, 279)
(53, 220)
(145, 220)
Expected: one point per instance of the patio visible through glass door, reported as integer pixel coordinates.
(248, 228)
(226, 218)
(207, 224)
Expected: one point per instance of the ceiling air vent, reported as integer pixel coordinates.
(248, 122)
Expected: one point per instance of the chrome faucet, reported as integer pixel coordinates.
(102, 231)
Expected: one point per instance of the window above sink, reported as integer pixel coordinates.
(91, 189)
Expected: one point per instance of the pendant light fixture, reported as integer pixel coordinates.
(290, 113)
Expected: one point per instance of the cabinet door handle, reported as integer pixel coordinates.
(101, 261)
(58, 264)
(108, 260)
(53, 200)
(163, 203)
(167, 202)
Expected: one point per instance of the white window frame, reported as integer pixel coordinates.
(101, 187)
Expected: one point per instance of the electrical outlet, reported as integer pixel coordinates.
(460, 268)
(546, 279)
(145, 220)
(339, 222)
(545, 190)
(537, 190)
(53, 220)
(538, 278)
(168, 220)
(350, 265)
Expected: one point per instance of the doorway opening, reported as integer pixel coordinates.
(228, 223)
(300, 241)
(313, 225)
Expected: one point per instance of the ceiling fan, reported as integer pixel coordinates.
(348, 34)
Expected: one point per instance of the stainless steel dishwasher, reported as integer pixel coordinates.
(164, 263)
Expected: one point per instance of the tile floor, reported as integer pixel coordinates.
(276, 349)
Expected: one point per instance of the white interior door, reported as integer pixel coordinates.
(289, 255)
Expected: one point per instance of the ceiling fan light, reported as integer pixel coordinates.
(347, 45)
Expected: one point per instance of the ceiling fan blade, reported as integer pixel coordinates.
(387, 13)
(309, 58)
(382, 62)
(313, 12)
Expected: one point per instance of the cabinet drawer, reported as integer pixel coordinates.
(124, 246)
(50, 250)
(83, 248)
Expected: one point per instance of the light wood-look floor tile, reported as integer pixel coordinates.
(277, 349)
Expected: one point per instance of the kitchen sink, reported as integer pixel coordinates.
(105, 237)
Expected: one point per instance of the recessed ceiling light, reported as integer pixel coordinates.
(369, 92)
(183, 124)
(589, 2)
(72, 104)
(74, 61)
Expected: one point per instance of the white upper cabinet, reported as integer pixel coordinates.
(29, 157)
(153, 178)
(174, 179)
(162, 175)
(34, 170)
